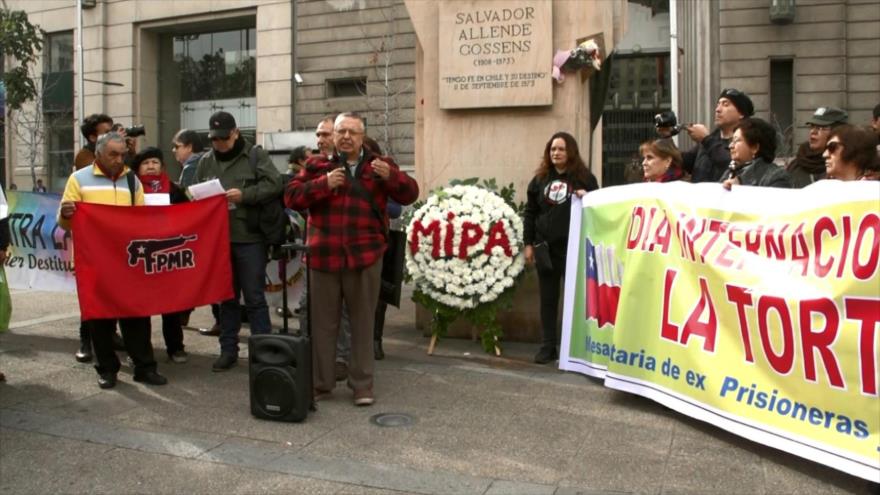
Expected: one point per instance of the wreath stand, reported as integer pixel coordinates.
(433, 343)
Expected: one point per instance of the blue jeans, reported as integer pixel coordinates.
(248, 280)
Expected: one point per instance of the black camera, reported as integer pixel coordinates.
(668, 122)
(135, 131)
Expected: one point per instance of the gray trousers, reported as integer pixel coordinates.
(359, 290)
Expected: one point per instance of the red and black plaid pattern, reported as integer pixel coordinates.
(344, 232)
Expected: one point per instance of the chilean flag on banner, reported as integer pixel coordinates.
(151, 260)
(603, 284)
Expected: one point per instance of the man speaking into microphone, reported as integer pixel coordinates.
(346, 195)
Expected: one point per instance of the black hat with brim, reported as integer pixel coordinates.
(221, 125)
(828, 116)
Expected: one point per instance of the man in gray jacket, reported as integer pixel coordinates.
(247, 189)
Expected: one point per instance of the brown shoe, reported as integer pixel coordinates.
(318, 395)
(364, 397)
(2, 377)
(341, 371)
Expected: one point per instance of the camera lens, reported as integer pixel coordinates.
(135, 131)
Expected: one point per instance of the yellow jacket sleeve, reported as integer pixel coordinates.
(71, 193)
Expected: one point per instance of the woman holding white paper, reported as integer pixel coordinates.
(160, 190)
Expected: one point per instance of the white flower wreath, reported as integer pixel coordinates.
(464, 246)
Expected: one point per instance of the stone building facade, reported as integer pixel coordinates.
(170, 64)
(829, 55)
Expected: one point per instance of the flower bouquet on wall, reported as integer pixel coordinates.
(464, 254)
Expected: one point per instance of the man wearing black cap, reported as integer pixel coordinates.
(247, 190)
(710, 158)
(809, 165)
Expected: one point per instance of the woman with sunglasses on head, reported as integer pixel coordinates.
(752, 151)
(851, 154)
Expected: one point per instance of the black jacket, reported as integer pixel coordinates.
(761, 173)
(707, 161)
(807, 167)
(548, 210)
(177, 194)
(4, 234)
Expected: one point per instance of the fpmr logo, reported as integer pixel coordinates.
(162, 255)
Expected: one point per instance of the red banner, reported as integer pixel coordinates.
(151, 260)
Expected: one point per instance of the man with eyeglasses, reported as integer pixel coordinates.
(710, 158)
(188, 149)
(809, 165)
(346, 195)
(324, 136)
(246, 190)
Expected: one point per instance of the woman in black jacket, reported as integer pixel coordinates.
(150, 168)
(548, 210)
(752, 151)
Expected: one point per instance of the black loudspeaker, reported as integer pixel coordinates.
(280, 376)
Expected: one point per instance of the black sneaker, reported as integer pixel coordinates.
(84, 354)
(225, 362)
(340, 369)
(210, 332)
(107, 380)
(546, 355)
(151, 378)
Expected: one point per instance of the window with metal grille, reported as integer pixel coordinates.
(345, 88)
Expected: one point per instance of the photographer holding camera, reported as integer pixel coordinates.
(710, 158)
(130, 134)
(93, 126)
(666, 125)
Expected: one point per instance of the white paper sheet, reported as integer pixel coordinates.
(157, 199)
(205, 189)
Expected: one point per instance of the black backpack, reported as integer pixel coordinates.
(269, 217)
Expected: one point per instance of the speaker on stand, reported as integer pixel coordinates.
(280, 365)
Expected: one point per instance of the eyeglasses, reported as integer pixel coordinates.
(833, 146)
(351, 132)
(731, 92)
(814, 127)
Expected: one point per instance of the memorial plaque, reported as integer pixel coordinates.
(495, 54)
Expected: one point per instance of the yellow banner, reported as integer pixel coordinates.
(757, 309)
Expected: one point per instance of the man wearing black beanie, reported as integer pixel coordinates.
(708, 160)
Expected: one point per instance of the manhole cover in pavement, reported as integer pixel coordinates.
(391, 420)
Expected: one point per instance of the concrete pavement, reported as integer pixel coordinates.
(482, 425)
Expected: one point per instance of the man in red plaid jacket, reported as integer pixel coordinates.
(347, 238)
